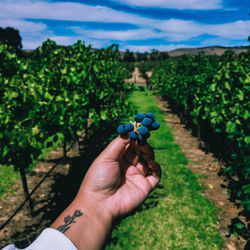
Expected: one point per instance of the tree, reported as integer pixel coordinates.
(139, 57)
(145, 56)
(11, 37)
(154, 55)
(128, 56)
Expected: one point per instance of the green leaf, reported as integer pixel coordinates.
(13, 95)
(5, 151)
(247, 140)
(213, 87)
(84, 74)
(48, 96)
(213, 114)
(96, 70)
(59, 98)
(230, 127)
(227, 75)
(227, 85)
(104, 115)
(239, 225)
(218, 130)
(64, 71)
(241, 95)
(101, 95)
(246, 189)
(246, 115)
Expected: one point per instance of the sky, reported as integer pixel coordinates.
(137, 25)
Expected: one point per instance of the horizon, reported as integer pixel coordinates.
(213, 46)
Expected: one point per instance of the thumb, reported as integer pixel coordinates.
(115, 149)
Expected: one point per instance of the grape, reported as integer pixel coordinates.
(133, 135)
(121, 130)
(150, 115)
(139, 117)
(141, 141)
(143, 130)
(155, 125)
(129, 127)
(146, 121)
(140, 130)
(146, 136)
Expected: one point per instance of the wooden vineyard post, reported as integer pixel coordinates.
(26, 190)
(64, 149)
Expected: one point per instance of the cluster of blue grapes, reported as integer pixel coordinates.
(140, 131)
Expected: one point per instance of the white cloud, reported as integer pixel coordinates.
(98, 43)
(64, 40)
(237, 30)
(122, 35)
(23, 26)
(172, 30)
(180, 30)
(65, 11)
(175, 4)
(31, 44)
(179, 26)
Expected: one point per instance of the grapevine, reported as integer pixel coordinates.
(211, 94)
(50, 98)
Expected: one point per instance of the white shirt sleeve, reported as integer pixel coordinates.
(49, 239)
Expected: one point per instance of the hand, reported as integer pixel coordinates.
(122, 176)
(117, 182)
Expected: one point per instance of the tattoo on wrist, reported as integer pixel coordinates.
(69, 220)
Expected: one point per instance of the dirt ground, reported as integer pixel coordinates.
(23, 228)
(202, 163)
(51, 198)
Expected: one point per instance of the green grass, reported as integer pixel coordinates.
(176, 215)
(8, 178)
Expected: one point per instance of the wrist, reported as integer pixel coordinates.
(95, 210)
(91, 229)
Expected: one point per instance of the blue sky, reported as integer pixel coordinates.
(137, 25)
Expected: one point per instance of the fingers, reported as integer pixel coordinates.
(136, 153)
(155, 177)
(133, 154)
(149, 167)
(115, 148)
(147, 152)
(143, 168)
(140, 156)
(151, 170)
(155, 167)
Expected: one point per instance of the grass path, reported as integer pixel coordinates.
(176, 215)
(7, 180)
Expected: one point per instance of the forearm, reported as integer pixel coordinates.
(89, 228)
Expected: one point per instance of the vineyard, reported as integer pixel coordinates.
(58, 96)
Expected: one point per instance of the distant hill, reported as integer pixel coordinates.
(212, 50)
